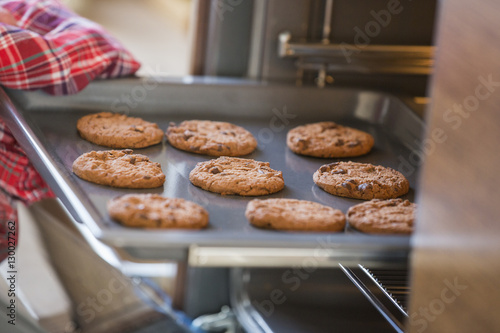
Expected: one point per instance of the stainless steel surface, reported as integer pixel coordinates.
(226, 38)
(271, 18)
(327, 22)
(325, 39)
(357, 28)
(371, 290)
(394, 59)
(224, 321)
(45, 127)
(321, 254)
(241, 301)
(287, 48)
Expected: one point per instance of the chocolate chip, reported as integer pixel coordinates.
(146, 177)
(132, 160)
(137, 128)
(365, 186)
(347, 185)
(220, 147)
(324, 168)
(188, 134)
(339, 142)
(303, 143)
(143, 216)
(331, 165)
(228, 133)
(127, 151)
(353, 144)
(215, 170)
(339, 172)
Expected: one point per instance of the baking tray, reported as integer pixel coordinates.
(45, 126)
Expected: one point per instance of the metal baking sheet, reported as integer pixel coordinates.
(46, 128)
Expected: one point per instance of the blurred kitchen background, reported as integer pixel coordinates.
(157, 32)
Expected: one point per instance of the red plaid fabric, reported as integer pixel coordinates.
(18, 177)
(55, 50)
(43, 45)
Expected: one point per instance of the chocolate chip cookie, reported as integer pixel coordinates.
(294, 215)
(232, 175)
(328, 139)
(393, 216)
(118, 131)
(361, 181)
(155, 211)
(119, 168)
(212, 138)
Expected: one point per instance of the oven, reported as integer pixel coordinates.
(268, 66)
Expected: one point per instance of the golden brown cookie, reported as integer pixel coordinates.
(294, 215)
(393, 216)
(361, 181)
(328, 139)
(118, 131)
(155, 211)
(232, 175)
(119, 168)
(212, 138)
